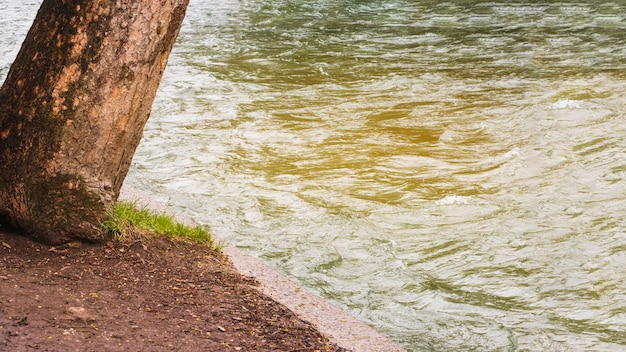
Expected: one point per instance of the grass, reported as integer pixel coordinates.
(125, 220)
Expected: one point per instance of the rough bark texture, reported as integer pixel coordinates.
(73, 107)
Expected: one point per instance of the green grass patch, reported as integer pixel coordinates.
(125, 220)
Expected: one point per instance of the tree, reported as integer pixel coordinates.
(73, 108)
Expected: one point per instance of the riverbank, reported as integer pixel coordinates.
(340, 327)
(160, 294)
(153, 294)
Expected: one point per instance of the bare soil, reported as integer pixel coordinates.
(151, 294)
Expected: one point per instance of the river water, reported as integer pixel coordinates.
(452, 173)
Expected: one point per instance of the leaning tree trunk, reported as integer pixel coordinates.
(73, 107)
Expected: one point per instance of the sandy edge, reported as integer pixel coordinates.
(338, 325)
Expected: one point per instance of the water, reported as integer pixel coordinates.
(449, 172)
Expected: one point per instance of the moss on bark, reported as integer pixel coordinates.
(73, 107)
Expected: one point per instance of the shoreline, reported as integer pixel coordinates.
(338, 325)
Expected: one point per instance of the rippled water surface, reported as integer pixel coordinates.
(449, 172)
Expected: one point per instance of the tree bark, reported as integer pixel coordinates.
(73, 108)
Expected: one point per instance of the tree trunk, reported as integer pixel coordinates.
(73, 108)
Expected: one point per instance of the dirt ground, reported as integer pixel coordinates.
(152, 294)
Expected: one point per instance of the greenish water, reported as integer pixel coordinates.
(449, 172)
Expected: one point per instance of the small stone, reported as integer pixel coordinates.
(81, 313)
(75, 244)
